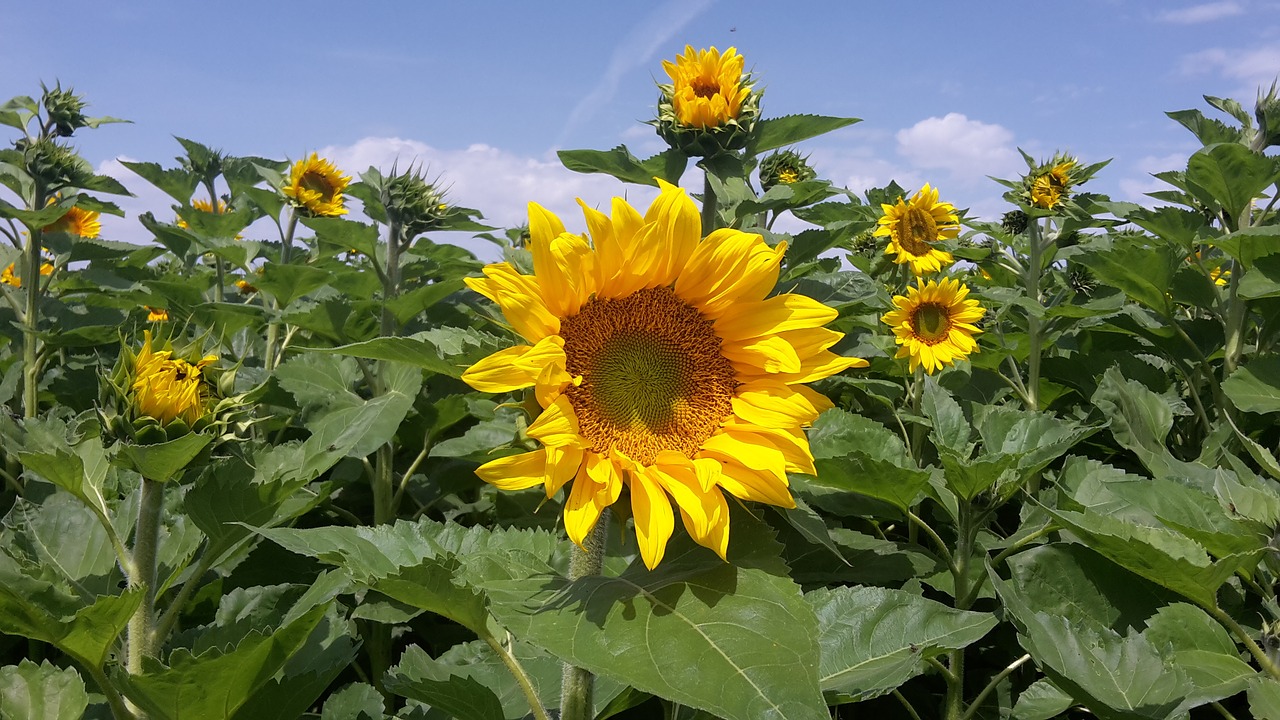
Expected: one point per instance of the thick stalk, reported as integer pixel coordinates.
(1237, 308)
(270, 357)
(954, 707)
(218, 289)
(30, 340)
(577, 684)
(146, 538)
(709, 210)
(917, 436)
(1032, 280)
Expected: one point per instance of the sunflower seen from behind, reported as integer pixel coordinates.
(316, 186)
(661, 366)
(934, 323)
(914, 227)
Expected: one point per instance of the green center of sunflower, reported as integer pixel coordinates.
(931, 323)
(916, 229)
(317, 182)
(653, 375)
(704, 88)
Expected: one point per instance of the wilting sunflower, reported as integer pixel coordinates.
(79, 222)
(660, 367)
(913, 226)
(1049, 187)
(156, 314)
(316, 185)
(9, 277)
(707, 87)
(934, 324)
(168, 388)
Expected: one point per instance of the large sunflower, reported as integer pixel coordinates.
(316, 185)
(707, 87)
(661, 365)
(913, 226)
(934, 324)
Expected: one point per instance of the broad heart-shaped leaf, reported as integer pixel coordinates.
(1250, 244)
(880, 479)
(286, 283)
(1140, 422)
(874, 639)
(1262, 280)
(838, 432)
(1264, 698)
(41, 692)
(164, 461)
(320, 380)
(422, 678)
(735, 639)
(1042, 700)
(379, 417)
(43, 611)
(1230, 175)
(774, 133)
(1201, 647)
(216, 684)
(1256, 386)
(1162, 556)
(620, 163)
(1142, 273)
(950, 426)
(80, 470)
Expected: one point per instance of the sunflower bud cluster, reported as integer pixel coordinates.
(710, 106)
(784, 168)
(1267, 111)
(52, 164)
(415, 204)
(64, 110)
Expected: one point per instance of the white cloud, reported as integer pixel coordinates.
(146, 198)
(1206, 12)
(970, 150)
(1252, 68)
(1135, 189)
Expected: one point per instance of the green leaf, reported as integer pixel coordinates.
(1142, 273)
(1262, 280)
(162, 462)
(429, 350)
(880, 479)
(215, 684)
(1042, 700)
(1250, 244)
(837, 432)
(357, 701)
(320, 381)
(874, 639)
(774, 133)
(737, 639)
(1230, 175)
(178, 183)
(620, 163)
(950, 426)
(1264, 698)
(41, 692)
(421, 678)
(1256, 386)
(1201, 647)
(81, 472)
(286, 283)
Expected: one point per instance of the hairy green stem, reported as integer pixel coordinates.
(911, 711)
(1247, 640)
(170, 616)
(577, 683)
(31, 323)
(522, 678)
(1032, 281)
(954, 703)
(271, 356)
(991, 686)
(146, 540)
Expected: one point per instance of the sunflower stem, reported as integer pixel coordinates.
(269, 357)
(219, 293)
(1032, 278)
(30, 339)
(709, 210)
(142, 574)
(576, 683)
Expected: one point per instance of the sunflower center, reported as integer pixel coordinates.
(931, 322)
(317, 182)
(915, 231)
(704, 88)
(653, 375)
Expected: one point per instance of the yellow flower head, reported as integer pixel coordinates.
(8, 276)
(245, 288)
(316, 186)
(1052, 185)
(661, 365)
(166, 388)
(913, 226)
(933, 323)
(708, 88)
(156, 314)
(82, 223)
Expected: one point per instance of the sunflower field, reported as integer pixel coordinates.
(297, 459)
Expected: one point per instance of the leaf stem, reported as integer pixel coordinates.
(977, 701)
(119, 709)
(577, 684)
(709, 203)
(1257, 652)
(522, 677)
(942, 546)
(906, 704)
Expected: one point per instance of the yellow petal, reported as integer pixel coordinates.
(790, 441)
(515, 472)
(769, 354)
(519, 298)
(777, 314)
(729, 267)
(615, 249)
(557, 425)
(654, 519)
(704, 511)
(543, 224)
(772, 403)
(582, 509)
(748, 484)
(563, 265)
(563, 462)
(678, 227)
(741, 448)
(515, 367)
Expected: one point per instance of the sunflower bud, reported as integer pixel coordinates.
(53, 165)
(1080, 280)
(415, 204)
(865, 244)
(64, 110)
(1267, 111)
(1014, 222)
(1050, 184)
(784, 168)
(710, 105)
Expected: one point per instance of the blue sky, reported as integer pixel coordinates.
(485, 92)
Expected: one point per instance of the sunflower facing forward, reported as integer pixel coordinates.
(934, 324)
(913, 226)
(316, 185)
(661, 365)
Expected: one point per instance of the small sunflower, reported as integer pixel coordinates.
(79, 222)
(167, 388)
(1050, 186)
(245, 287)
(156, 314)
(707, 87)
(934, 324)
(661, 366)
(316, 185)
(913, 226)
(8, 276)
